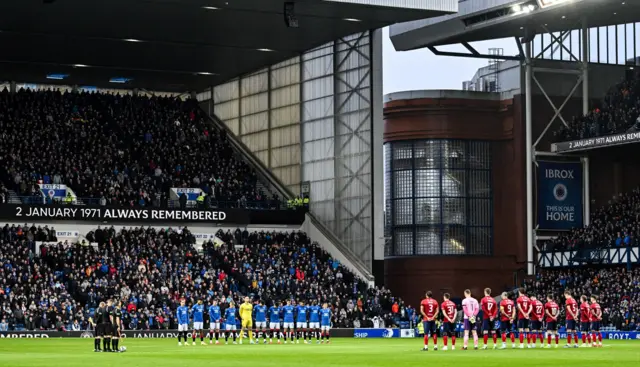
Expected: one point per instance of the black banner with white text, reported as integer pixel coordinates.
(13, 212)
(127, 334)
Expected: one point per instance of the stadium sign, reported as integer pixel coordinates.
(139, 334)
(560, 195)
(135, 215)
(594, 143)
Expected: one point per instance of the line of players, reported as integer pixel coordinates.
(107, 323)
(284, 321)
(529, 312)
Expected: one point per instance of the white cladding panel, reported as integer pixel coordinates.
(309, 118)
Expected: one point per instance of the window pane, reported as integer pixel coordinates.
(454, 183)
(479, 184)
(454, 211)
(428, 183)
(428, 154)
(479, 155)
(402, 156)
(428, 211)
(403, 184)
(454, 240)
(455, 154)
(428, 241)
(479, 212)
(403, 212)
(403, 242)
(479, 242)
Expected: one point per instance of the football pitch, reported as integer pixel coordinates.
(341, 352)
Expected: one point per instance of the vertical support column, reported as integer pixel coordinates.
(586, 199)
(13, 87)
(585, 67)
(529, 154)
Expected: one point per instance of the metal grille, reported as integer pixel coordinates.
(438, 198)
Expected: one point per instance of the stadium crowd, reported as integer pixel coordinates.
(618, 112)
(58, 286)
(615, 224)
(118, 150)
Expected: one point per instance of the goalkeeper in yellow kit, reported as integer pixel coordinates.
(246, 314)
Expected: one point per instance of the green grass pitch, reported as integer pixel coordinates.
(341, 352)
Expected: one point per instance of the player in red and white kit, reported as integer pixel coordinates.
(449, 314)
(596, 318)
(523, 304)
(585, 321)
(429, 310)
(489, 308)
(571, 309)
(507, 317)
(551, 311)
(537, 315)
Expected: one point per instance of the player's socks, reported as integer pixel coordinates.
(435, 341)
(534, 338)
(250, 335)
(445, 339)
(495, 339)
(521, 337)
(513, 338)
(475, 341)
(465, 342)
(426, 340)
(96, 344)
(568, 339)
(541, 336)
(600, 338)
(528, 338)
(584, 338)
(557, 339)
(485, 338)
(453, 341)
(549, 339)
(575, 337)
(201, 336)
(504, 338)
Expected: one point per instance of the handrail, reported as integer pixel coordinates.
(287, 194)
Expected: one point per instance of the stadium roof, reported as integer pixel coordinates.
(479, 20)
(176, 45)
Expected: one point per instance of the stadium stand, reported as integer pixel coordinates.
(615, 224)
(618, 112)
(618, 291)
(57, 286)
(119, 150)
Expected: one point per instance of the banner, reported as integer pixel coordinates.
(559, 195)
(22, 213)
(191, 193)
(53, 191)
(138, 334)
(376, 333)
(593, 143)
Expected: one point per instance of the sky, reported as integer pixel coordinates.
(421, 69)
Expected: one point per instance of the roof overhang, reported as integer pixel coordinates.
(453, 29)
(178, 45)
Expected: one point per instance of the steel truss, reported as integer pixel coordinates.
(582, 78)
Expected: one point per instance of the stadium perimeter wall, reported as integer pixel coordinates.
(499, 118)
(317, 118)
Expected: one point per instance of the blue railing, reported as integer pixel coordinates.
(628, 256)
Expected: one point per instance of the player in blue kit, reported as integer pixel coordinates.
(182, 315)
(325, 322)
(287, 325)
(214, 322)
(230, 322)
(274, 321)
(314, 322)
(260, 315)
(198, 322)
(301, 321)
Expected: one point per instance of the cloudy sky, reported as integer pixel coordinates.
(421, 69)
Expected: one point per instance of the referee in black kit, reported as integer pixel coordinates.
(98, 322)
(115, 314)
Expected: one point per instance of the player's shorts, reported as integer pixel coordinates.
(552, 325)
(314, 325)
(108, 329)
(585, 326)
(536, 325)
(274, 325)
(261, 324)
(214, 325)
(448, 328)
(287, 325)
(488, 325)
(183, 327)
(595, 325)
(231, 327)
(116, 331)
(468, 325)
(247, 323)
(301, 325)
(571, 324)
(197, 325)
(429, 327)
(100, 330)
(325, 327)
(523, 324)
(505, 325)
